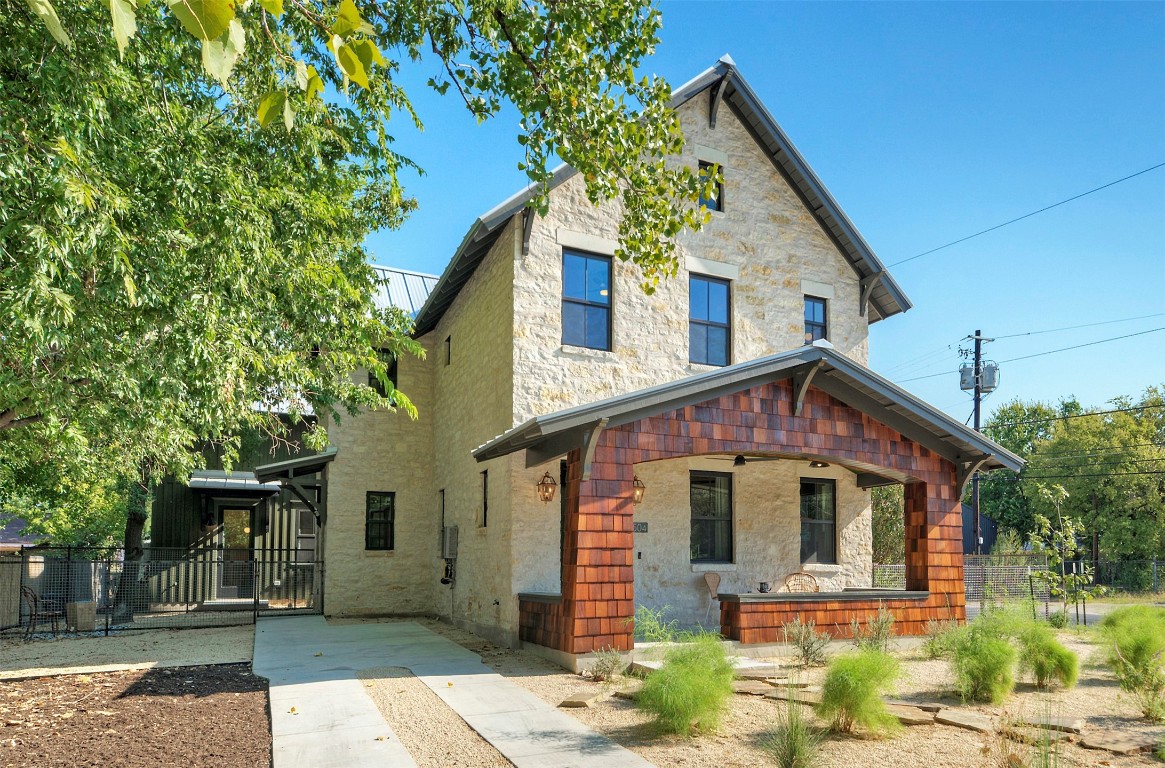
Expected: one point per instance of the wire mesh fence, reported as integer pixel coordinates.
(57, 589)
(985, 577)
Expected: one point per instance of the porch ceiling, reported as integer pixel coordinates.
(554, 434)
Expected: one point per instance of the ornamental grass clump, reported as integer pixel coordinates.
(877, 632)
(1135, 652)
(1043, 657)
(851, 695)
(808, 642)
(793, 742)
(940, 637)
(983, 664)
(692, 688)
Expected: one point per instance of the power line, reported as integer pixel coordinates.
(1041, 354)
(1075, 416)
(1101, 474)
(1074, 327)
(1099, 451)
(1069, 465)
(1026, 215)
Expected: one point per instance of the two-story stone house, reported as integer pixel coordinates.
(727, 423)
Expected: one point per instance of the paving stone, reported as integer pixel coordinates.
(584, 699)
(1118, 742)
(751, 687)
(925, 706)
(629, 691)
(1029, 735)
(1066, 724)
(812, 698)
(959, 718)
(644, 668)
(910, 715)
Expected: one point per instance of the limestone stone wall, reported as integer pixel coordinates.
(766, 541)
(383, 451)
(474, 402)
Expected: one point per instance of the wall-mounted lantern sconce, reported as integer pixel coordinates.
(546, 487)
(818, 464)
(637, 490)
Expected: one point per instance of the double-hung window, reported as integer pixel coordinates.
(709, 323)
(818, 521)
(380, 520)
(586, 300)
(711, 494)
(815, 323)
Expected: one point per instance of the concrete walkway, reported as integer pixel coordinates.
(321, 716)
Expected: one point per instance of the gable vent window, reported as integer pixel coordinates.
(716, 201)
(815, 323)
(709, 324)
(586, 300)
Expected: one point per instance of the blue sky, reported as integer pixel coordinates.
(927, 122)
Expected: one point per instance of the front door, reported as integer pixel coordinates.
(235, 555)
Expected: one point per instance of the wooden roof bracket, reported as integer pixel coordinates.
(868, 284)
(527, 228)
(801, 380)
(967, 470)
(716, 95)
(590, 442)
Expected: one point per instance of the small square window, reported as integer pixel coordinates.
(716, 202)
(816, 326)
(380, 520)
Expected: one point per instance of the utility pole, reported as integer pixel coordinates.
(978, 401)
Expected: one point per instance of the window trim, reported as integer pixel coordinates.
(709, 323)
(703, 165)
(824, 317)
(801, 520)
(609, 306)
(694, 473)
(390, 524)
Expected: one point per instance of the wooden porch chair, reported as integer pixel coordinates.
(800, 582)
(40, 609)
(712, 579)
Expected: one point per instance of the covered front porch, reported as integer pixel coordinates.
(805, 408)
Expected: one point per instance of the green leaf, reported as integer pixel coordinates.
(48, 14)
(288, 115)
(314, 84)
(205, 19)
(350, 63)
(348, 19)
(301, 75)
(220, 56)
(125, 23)
(367, 52)
(274, 7)
(271, 107)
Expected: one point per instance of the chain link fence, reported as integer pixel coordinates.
(50, 590)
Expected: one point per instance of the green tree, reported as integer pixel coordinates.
(889, 525)
(186, 188)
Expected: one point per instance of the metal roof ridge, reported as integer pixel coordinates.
(386, 268)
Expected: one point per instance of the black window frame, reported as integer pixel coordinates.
(448, 349)
(818, 482)
(705, 169)
(608, 307)
(812, 325)
(387, 538)
(484, 498)
(706, 474)
(727, 326)
(390, 360)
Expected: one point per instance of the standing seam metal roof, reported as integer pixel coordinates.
(405, 290)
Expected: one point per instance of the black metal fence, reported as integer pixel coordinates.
(66, 589)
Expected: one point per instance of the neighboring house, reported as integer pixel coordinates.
(12, 536)
(733, 404)
(988, 531)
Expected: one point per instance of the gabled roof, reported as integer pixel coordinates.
(235, 482)
(835, 374)
(405, 290)
(724, 79)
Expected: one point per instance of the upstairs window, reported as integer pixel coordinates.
(716, 202)
(586, 300)
(815, 323)
(818, 521)
(711, 494)
(709, 324)
(389, 361)
(380, 520)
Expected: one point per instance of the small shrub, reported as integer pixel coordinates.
(607, 664)
(852, 691)
(1058, 619)
(1135, 637)
(650, 626)
(876, 634)
(809, 643)
(940, 637)
(983, 663)
(692, 687)
(1045, 658)
(793, 742)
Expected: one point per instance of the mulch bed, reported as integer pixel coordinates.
(186, 716)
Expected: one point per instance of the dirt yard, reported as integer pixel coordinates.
(1096, 698)
(191, 716)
